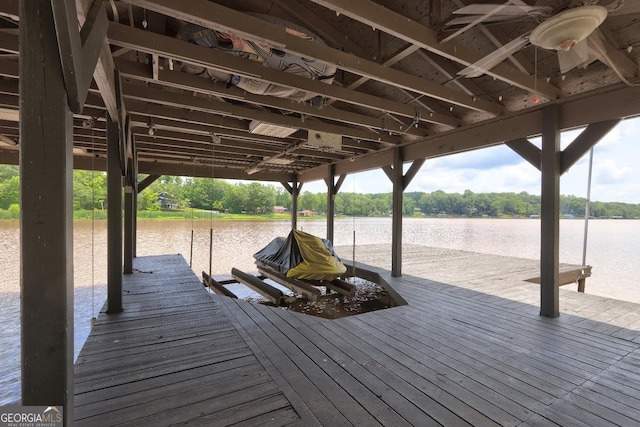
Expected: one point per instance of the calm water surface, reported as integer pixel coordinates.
(613, 250)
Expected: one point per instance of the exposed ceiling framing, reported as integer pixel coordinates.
(397, 82)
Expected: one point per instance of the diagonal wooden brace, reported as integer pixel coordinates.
(79, 49)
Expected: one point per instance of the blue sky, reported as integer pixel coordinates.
(616, 171)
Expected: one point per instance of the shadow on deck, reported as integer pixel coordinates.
(453, 356)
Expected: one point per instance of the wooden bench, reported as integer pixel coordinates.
(568, 275)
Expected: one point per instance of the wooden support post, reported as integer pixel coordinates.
(331, 202)
(550, 213)
(129, 213)
(396, 232)
(294, 202)
(46, 216)
(114, 219)
(134, 240)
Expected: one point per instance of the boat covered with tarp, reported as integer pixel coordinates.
(302, 256)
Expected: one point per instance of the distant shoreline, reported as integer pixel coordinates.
(206, 215)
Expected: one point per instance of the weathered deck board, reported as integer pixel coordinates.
(172, 357)
(468, 349)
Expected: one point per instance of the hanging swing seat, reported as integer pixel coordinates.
(569, 274)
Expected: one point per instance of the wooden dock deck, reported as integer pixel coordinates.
(172, 357)
(468, 351)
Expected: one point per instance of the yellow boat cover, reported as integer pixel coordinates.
(318, 262)
(302, 256)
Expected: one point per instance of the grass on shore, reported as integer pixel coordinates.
(174, 214)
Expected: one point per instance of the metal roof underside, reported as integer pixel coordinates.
(399, 77)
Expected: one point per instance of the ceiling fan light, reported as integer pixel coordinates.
(564, 30)
(566, 44)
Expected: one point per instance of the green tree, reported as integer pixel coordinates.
(89, 187)
(236, 198)
(283, 198)
(9, 192)
(206, 193)
(260, 198)
(8, 171)
(307, 201)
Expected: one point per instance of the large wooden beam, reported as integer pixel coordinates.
(195, 83)
(527, 151)
(9, 43)
(122, 35)
(584, 142)
(103, 74)
(397, 208)
(611, 103)
(550, 213)
(79, 50)
(129, 220)
(204, 171)
(183, 100)
(294, 189)
(211, 15)
(147, 182)
(331, 201)
(9, 9)
(325, 30)
(46, 216)
(114, 219)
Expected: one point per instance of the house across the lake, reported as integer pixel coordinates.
(167, 201)
(279, 209)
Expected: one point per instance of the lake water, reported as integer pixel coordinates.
(613, 250)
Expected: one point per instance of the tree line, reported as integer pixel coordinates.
(90, 192)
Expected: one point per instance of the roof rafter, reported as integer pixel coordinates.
(375, 15)
(211, 15)
(147, 42)
(210, 87)
(328, 33)
(576, 111)
(142, 93)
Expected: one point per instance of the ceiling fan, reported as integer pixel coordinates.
(565, 26)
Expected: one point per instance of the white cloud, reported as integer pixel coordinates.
(616, 171)
(608, 172)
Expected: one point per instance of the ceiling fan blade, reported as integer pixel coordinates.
(480, 67)
(578, 56)
(626, 8)
(461, 20)
(602, 49)
(503, 9)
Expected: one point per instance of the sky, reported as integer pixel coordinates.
(615, 177)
